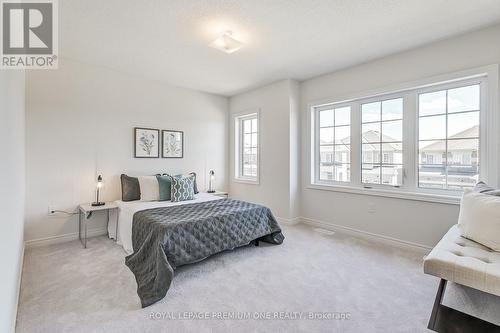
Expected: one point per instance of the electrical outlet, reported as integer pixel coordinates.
(51, 211)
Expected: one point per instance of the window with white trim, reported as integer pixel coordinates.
(429, 140)
(334, 146)
(247, 147)
(382, 142)
(448, 138)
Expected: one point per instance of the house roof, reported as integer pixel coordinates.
(371, 138)
(371, 141)
(472, 132)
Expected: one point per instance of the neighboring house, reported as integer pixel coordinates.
(461, 163)
(460, 151)
(390, 151)
(337, 168)
(383, 164)
(382, 161)
(374, 154)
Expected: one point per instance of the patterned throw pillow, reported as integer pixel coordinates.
(182, 189)
(195, 186)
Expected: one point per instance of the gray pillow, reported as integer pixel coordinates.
(165, 183)
(182, 189)
(195, 187)
(482, 187)
(131, 190)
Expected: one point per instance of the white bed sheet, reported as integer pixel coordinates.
(126, 211)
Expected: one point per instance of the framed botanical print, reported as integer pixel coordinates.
(147, 142)
(172, 144)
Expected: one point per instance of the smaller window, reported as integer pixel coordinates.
(334, 144)
(247, 147)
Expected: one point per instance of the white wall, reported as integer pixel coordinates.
(412, 221)
(294, 146)
(12, 179)
(278, 158)
(80, 121)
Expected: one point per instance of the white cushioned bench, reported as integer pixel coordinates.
(465, 262)
(460, 260)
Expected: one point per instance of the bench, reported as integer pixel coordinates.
(460, 260)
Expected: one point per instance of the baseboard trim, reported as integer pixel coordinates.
(367, 235)
(63, 238)
(18, 291)
(292, 221)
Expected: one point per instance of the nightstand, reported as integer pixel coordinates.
(221, 194)
(86, 210)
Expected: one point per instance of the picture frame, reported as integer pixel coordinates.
(146, 142)
(172, 144)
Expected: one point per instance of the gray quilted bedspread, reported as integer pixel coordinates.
(168, 237)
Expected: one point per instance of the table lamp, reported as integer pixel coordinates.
(211, 179)
(99, 186)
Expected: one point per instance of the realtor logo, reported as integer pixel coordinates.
(29, 34)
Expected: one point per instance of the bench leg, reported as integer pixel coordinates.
(437, 304)
(445, 319)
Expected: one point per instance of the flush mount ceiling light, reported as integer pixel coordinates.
(227, 43)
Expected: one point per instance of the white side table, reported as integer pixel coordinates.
(221, 194)
(86, 210)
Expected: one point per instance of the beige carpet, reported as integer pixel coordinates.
(379, 288)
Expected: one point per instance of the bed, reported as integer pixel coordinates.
(160, 236)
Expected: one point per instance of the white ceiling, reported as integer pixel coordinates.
(168, 40)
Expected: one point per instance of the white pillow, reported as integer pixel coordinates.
(479, 218)
(150, 189)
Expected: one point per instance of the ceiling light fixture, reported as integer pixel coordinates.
(227, 43)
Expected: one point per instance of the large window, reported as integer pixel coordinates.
(247, 147)
(424, 140)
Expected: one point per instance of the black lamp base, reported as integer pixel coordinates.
(95, 204)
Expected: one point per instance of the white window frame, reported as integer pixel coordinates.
(359, 124)
(489, 154)
(238, 146)
(317, 110)
(483, 172)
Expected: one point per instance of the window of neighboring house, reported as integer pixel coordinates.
(448, 121)
(247, 147)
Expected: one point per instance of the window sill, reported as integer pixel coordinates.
(388, 193)
(246, 181)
